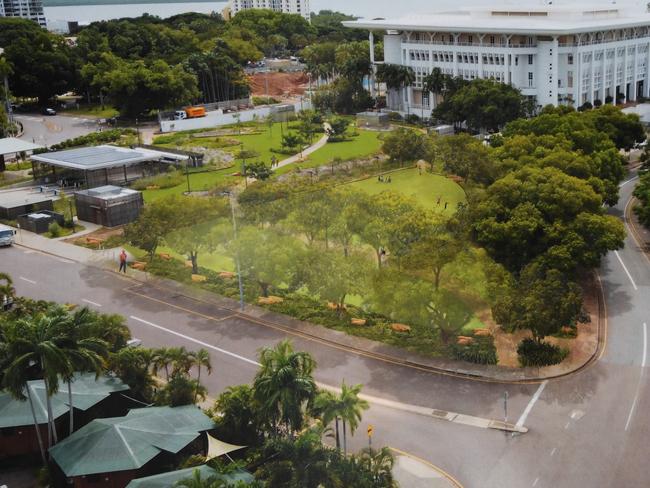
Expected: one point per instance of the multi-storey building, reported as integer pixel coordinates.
(557, 54)
(27, 9)
(300, 7)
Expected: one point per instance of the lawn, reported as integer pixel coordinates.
(366, 143)
(426, 188)
(92, 111)
(198, 182)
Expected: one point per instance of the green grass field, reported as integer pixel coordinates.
(198, 182)
(93, 111)
(426, 188)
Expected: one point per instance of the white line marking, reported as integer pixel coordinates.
(567, 425)
(91, 303)
(638, 388)
(64, 260)
(27, 280)
(553, 451)
(535, 482)
(625, 269)
(628, 181)
(196, 341)
(529, 407)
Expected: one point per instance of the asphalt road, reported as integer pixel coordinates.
(590, 429)
(47, 130)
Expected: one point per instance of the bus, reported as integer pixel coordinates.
(6, 235)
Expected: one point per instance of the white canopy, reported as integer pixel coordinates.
(11, 145)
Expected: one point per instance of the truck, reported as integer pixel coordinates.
(6, 235)
(189, 113)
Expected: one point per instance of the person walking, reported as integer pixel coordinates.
(122, 262)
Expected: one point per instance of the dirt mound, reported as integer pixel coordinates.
(278, 84)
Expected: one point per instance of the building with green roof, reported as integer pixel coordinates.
(91, 397)
(165, 480)
(111, 452)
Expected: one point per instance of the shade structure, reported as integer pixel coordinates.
(11, 145)
(218, 448)
(165, 480)
(87, 391)
(129, 442)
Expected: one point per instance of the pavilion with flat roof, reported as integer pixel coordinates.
(94, 166)
(13, 145)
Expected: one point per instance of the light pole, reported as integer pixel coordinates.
(187, 175)
(234, 231)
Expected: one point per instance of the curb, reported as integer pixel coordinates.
(439, 470)
(232, 306)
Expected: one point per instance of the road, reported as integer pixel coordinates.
(48, 130)
(589, 429)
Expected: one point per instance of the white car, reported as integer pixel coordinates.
(6, 235)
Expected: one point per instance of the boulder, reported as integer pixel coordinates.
(358, 322)
(139, 265)
(482, 332)
(197, 278)
(188, 264)
(153, 187)
(270, 300)
(164, 255)
(464, 341)
(402, 328)
(227, 274)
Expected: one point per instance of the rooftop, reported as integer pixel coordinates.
(11, 145)
(86, 392)
(513, 19)
(130, 442)
(108, 192)
(104, 156)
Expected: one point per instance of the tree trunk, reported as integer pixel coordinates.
(265, 288)
(2, 163)
(345, 439)
(36, 426)
(54, 439)
(338, 440)
(198, 382)
(71, 408)
(378, 252)
(195, 266)
(436, 273)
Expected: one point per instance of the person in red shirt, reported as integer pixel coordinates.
(122, 261)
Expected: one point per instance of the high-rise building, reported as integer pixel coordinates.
(26, 9)
(300, 7)
(558, 54)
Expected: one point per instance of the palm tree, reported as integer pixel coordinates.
(197, 481)
(284, 385)
(201, 358)
(86, 353)
(434, 83)
(181, 359)
(380, 464)
(328, 408)
(36, 347)
(395, 76)
(351, 408)
(7, 291)
(161, 360)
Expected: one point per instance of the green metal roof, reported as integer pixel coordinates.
(86, 392)
(167, 480)
(123, 443)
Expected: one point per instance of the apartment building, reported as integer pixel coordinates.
(558, 54)
(300, 7)
(27, 9)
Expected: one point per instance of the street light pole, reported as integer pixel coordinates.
(234, 230)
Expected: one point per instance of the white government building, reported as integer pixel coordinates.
(300, 7)
(27, 9)
(559, 54)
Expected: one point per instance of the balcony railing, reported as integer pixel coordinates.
(469, 44)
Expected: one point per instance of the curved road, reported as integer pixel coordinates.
(589, 429)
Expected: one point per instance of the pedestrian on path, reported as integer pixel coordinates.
(122, 261)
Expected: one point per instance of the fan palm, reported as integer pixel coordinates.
(380, 464)
(284, 385)
(351, 408)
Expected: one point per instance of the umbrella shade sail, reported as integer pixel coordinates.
(125, 443)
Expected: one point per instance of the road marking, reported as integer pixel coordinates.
(638, 387)
(531, 403)
(628, 181)
(27, 280)
(625, 269)
(64, 260)
(91, 303)
(553, 451)
(196, 341)
(536, 481)
(567, 425)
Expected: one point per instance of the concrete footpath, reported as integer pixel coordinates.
(108, 259)
(412, 472)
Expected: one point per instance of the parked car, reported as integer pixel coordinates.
(48, 111)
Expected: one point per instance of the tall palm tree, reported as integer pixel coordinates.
(86, 353)
(161, 360)
(37, 348)
(284, 385)
(181, 360)
(351, 408)
(434, 83)
(328, 408)
(201, 358)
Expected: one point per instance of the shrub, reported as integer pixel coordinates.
(394, 116)
(598, 103)
(609, 99)
(480, 351)
(54, 229)
(164, 180)
(265, 101)
(534, 353)
(92, 139)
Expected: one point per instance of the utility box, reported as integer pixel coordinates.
(109, 206)
(39, 222)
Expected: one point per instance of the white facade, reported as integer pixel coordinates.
(26, 9)
(300, 7)
(556, 54)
